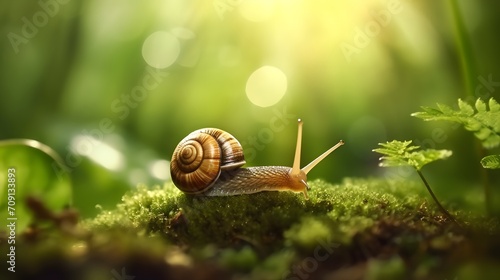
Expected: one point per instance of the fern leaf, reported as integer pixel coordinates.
(400, 153)
(491, 162)
(482, 120)
(480, 105)
(494, 106)
(427, 114)
(465, 108)
(445, 109)
(421, 158)
(483, 134)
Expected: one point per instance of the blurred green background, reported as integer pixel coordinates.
(114, 86)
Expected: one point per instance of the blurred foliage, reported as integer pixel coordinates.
(30, 171)
(354, 70)
(492, 162)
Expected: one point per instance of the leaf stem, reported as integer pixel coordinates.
(436, 200)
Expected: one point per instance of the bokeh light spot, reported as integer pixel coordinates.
(98, 151)
(161, 49)
(160, 169)
(266, 86)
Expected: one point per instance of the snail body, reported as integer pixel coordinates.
(209, 162)
(252, 180)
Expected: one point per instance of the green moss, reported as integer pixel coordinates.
(393, 268)
(372, 227)
(274, 266)
(268, 219)
(243, 260)
(280, 235)
(305, 235)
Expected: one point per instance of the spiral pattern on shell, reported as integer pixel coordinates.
(199, 158)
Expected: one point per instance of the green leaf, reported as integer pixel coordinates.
(31, 167)
(494, 106)
(431, 114)
(484, 123)
(445, 109)
(465, 108)
(400, 153)
(480, 105)
(421, 158)
(482, 133)
(491, 162)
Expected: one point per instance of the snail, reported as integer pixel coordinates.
(208, 162)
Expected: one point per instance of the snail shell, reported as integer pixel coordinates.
(200, 157)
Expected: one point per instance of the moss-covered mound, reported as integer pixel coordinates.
(362, 228)
(270, 219)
